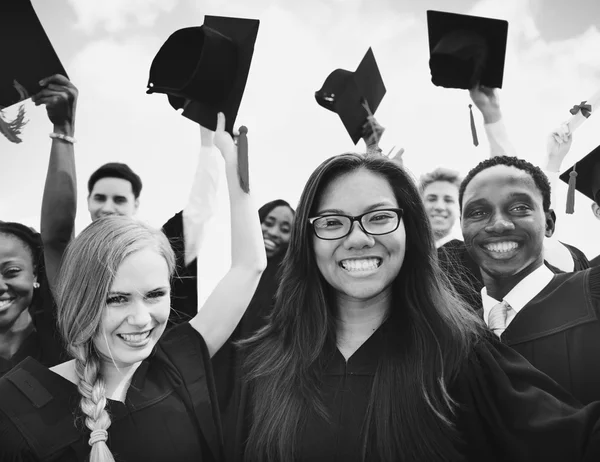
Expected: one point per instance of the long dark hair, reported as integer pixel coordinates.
(266, 208)
(410, 413)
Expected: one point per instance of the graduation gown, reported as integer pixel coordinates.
(558, 332)
(507, 410)
(169, 413)
(184, 288)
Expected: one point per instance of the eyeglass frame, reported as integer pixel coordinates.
(399, 211)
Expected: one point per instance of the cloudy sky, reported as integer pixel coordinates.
(107, 47)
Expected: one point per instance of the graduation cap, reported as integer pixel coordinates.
(207, 65)
(347, 93)
(27, 58)
(584, 177)
(466, 51)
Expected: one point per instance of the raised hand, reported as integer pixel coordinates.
(558, 144)
(487, 101)
(224, 142)
(59, 96)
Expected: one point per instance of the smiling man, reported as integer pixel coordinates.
(551, 319)
(439, 190)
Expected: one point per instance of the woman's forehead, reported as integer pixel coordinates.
(359, 189)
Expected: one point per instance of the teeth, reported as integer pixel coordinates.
(4, 303)
(501, 246)
(135, 338)
(364, 264)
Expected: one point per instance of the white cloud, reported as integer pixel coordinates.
(116, 15)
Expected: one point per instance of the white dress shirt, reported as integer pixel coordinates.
(520, 295)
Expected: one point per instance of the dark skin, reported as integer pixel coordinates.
(504, 225)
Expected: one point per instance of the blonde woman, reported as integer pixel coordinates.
(130, 393)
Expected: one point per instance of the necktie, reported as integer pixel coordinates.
(497, 317)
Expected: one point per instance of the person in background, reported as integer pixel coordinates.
(26, 321)
(551, 318)
(130, 393)
(115, 189)
(439, 190)
(370, 355)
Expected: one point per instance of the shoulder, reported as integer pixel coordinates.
(35, 414)
(183, 346)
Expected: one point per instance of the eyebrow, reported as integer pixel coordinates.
(367, 209)
(511, 196)
(129, 293)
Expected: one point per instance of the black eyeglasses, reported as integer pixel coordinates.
(376, 223)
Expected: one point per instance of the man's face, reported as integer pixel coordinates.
(112, 196)
(441, 203)
(504, 223)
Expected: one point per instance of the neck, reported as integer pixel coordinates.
(440, 233)
(358, 319)
(13, 336)
(117, 379)
(499, 287)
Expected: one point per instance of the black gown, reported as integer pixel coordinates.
(169, 414)
(508, 411)
(184, 288)
(558, 332)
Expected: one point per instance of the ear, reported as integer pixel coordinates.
(596, 210)
(136, 204)
(549, 223)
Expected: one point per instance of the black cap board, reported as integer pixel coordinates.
(345, 93)
(27, 54)
(466, 50)
(208, 66)
(584, 177)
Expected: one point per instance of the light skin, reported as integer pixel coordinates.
(112, 196)
(276, 229)
(441, 204)
(17, 276)
(363, 296)
(504, 225)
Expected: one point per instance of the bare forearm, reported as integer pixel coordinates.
(59, 204)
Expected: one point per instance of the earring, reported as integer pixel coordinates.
(36, 285)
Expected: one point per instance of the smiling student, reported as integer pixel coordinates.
(553, 320)
(439, 190)
(370, 356)
(130, 393)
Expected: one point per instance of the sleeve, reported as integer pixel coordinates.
(184, 352)
(202, 201)
(521, 412)
(594, 285)
(13, 446)
(498, 139)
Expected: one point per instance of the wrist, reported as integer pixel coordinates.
(66, 128)
(492, 116)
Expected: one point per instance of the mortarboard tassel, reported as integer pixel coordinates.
(242, 153)
(11, 130)
(473, 129)
(571, 191)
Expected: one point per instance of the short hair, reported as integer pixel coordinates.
(269, 206)
(539, 177)
(440, 174)
(116, 170)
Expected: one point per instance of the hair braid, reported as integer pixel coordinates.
(93, 404)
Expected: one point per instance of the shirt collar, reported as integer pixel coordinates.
(447, 238)
(522, 293)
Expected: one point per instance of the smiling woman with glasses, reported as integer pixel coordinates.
(369, 355)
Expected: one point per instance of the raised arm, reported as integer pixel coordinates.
(202, 200)
(225, 306)
(59, 204)
(487, 101)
